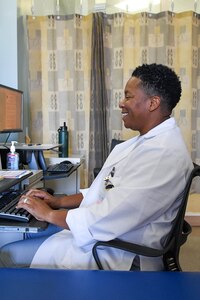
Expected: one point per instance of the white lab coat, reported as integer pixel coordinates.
(150, 173)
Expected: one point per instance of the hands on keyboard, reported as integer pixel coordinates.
(8, 210)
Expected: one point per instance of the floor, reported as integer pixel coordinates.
(190, 252)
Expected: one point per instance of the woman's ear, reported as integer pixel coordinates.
(155, 103)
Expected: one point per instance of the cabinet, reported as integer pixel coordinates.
(66, 185)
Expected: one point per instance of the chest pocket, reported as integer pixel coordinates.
(112, 182)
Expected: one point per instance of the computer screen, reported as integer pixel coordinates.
(11, 109)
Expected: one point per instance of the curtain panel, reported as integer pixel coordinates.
(59, 76)
(79, 65)
(99, 102)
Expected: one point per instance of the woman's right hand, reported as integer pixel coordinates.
(49, 199)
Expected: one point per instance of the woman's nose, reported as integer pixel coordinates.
(121, 103)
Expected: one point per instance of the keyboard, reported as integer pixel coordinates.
(59, 168)
(8, 210)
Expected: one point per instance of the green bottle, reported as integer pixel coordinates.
(63, 139)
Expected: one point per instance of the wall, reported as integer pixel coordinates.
(8, 63)
(49, 7)
(8, 49)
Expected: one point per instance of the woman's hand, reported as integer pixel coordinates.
(42, 211)
(36, 207)
(70, 201)
(46, 197)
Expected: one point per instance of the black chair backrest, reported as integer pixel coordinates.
(115, 142)
(180, 229)
(176, 238)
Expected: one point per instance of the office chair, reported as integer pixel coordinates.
(114, 142)
(176, 238)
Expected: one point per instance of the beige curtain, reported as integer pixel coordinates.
(61, 73)
(146, 38)
(59, 70)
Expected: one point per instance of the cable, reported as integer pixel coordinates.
(4, 145)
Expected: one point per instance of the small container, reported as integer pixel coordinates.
(63, 139)
(13, 158)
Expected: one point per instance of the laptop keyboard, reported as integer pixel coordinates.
(8, 210)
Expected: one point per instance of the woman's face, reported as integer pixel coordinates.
(135, 106)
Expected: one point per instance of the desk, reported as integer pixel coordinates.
(32, 155)
(71, 185)
(21, 146)
(97, 285)
(7, 183)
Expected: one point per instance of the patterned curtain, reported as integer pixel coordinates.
(80, 65)
(59, 70)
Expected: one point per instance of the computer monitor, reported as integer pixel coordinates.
(11, 110)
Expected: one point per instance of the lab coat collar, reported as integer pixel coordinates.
(162, 127)
(123, 149)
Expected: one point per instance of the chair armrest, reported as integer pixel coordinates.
(126, 246)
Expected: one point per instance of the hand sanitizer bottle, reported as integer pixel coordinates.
(13, 158)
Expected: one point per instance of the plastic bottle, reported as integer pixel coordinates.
(63, 139)
(13, 158)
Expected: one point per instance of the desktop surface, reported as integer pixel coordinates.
(22, 146)
(113, 285)
(29, 154)
(7, 183)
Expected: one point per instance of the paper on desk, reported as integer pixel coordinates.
(14, 173)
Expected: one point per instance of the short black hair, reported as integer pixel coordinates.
(160, 80)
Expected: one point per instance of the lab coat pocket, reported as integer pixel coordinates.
(112, 182)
